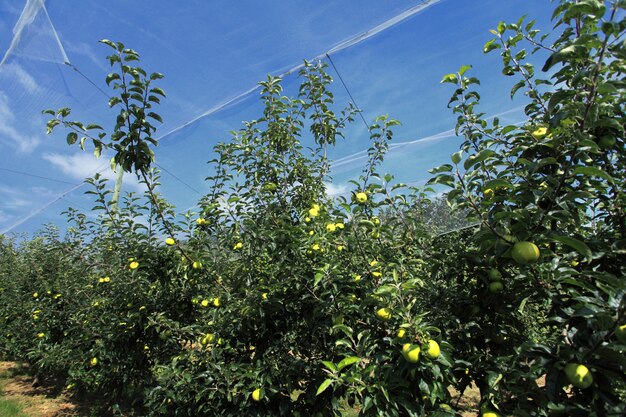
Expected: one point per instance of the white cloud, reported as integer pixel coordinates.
(9, 134)
(83, 165)
(4, 218)
(333, 190)
(24, 79)
(13, 199)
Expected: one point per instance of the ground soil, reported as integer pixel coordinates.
(44, 400)
(466, 404)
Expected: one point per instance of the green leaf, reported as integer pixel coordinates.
(367, 404)
(442, 179)
(464, 69)
(347, 362)
(450, 78)
(607, 88)
(490, 46)
(155, 117)
(157, 90)
(593, 172)
(575, 244)
(517, 86)
(497, 183)
(331, 366)
(323, 386)
(442, 168)
(318, 277)
(385, 289)
(72, 137)
(522, 305)
(52, 123)
(569, 52)
(111, 77)
(343, 342)
(344, 329)
(477, 158)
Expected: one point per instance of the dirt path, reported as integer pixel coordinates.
(468, 403)
(16, 385)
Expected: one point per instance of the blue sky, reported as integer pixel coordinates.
(212, 52)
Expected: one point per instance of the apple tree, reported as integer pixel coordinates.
(545, 268)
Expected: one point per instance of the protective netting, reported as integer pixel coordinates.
(391, 56)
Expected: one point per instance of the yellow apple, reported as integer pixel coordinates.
(257, 395)
(384, 313)
(539, 133)
(411, 352)
(433, 351)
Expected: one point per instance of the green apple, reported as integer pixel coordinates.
(494, 275)
(361, 197)
(270, 187)
(525, 253)
(578, 375)
(495, 287)
(606, 142)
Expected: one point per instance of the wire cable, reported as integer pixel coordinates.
(348, 91)
(36, 176)
(178, 179)
(75, 68)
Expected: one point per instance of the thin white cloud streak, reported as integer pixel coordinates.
(19, 74)
(40, 209)
(9, 134)
(12, 198)
(394, 147)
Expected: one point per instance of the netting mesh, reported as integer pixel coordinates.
(391, 56)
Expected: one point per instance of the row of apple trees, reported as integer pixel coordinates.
(274, 299)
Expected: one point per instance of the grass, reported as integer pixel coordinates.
(10, 408)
